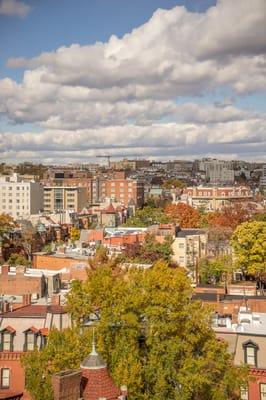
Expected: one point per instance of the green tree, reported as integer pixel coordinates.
(249, 244)
(174, 183)
(153, 337)
(64, 350)
(216, 270)
(147, 216)
(18, 259)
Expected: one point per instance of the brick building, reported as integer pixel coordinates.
(69, 266)
(215, 198)
(22, 330)
(20, 281)
(246, 338)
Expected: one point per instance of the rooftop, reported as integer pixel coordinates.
(34, 311)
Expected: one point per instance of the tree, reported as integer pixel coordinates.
(18, 259)
(183, 214)
(174, 183)
(149, 252)
(153, 337)
(74, 234)
(147, 216)
(6, 224)
(216, 270)
(249, 244)
(230, 216)
(64, 350)
(219, 241)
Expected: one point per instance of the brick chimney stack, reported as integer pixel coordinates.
(66, 385)
(4, 269)
(56, 300)
(26, 299)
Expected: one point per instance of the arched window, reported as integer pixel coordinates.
(250, 353)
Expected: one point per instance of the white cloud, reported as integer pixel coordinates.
(14, 8)
(123, 92)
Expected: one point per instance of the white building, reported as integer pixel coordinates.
(189, 246)
(217, 171)
(18, 198)
(263, 177)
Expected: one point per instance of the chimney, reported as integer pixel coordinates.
(66, 385)
(4, 269)
(26, 299)
(61, 250)
(6, 306)
(55, 300)
(20, 269)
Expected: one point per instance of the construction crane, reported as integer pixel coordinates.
(107, 157)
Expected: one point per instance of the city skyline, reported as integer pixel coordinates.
(161, 80)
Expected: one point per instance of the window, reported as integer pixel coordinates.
(30, 340)
(244, 393)
(5, 378)
(250, 353)
(181, 245)
(7, 338)
(6, 341)
(263, 391)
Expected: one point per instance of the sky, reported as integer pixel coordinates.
(160, 79)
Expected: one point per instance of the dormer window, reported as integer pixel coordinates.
(31, 335)
(7, 338)
(250, 353)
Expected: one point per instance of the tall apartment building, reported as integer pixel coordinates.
(60, 198)
(20, 198)
(124, 190)
(217, 171)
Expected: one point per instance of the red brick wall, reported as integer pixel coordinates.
(53, 263)
(66, 385)
(254, 386)
(17, 378)
(20, 284)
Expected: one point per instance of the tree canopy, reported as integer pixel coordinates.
(148, 252)
(153, 337)
(148, 215)
(216, 270)
(6, 224)
(173, 183)
(249, 244)
(18, 259)
(183, 214)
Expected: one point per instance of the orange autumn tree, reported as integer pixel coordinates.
(231, 216)
(184, 215)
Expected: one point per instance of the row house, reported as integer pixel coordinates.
(22, 330)
(246, 338)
